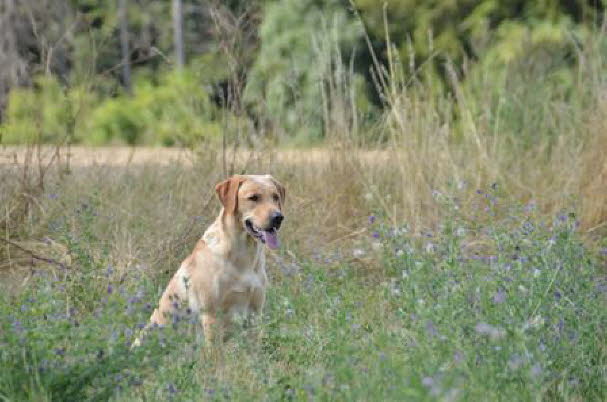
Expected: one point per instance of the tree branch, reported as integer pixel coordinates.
(34, 255)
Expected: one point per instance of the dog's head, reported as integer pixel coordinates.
(256, 202)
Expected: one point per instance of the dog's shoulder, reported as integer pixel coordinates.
(212, 237)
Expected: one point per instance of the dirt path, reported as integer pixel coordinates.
(122, 156)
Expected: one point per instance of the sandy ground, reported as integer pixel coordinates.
(88, 156)
(123, 156)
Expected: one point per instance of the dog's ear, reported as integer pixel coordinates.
(227, 191)
(281, 190)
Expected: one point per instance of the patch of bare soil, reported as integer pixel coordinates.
(77, 156)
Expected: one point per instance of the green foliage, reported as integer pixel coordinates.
(303, 68)
(301, 47)
(514, 313)
(473, 28)
(176, 110)
(58, 353)
(500, 304)
(45, 113)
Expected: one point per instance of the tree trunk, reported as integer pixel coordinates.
(178, 33)
(124, 44)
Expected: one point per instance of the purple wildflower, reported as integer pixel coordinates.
(432, 385)
(431, 329)
(486, 329)
(515, 362)
(536, 370)
(531, 205)
(17, 327)
(371, 219)
(375, 235)
(110, 289)
(499, 297)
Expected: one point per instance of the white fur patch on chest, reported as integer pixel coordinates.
(243, 293)
(248, 282)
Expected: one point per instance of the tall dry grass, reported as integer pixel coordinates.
(536, 132)
(514, 128)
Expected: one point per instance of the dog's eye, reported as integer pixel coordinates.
(275, 197)
(254, 197)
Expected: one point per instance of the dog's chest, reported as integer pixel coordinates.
(247, 282)
(245, 293)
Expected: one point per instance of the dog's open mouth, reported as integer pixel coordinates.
(268, 237)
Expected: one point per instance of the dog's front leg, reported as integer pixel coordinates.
(256, 317)
(209, 327)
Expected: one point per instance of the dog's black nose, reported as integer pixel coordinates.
(276, 219)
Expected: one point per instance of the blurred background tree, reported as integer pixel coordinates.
(272, 63)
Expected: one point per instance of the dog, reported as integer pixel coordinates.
(224, 279)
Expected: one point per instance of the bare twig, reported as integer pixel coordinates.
(34, 255)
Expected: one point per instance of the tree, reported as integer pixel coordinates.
(178, 33)
(301, 42)
(124, 44)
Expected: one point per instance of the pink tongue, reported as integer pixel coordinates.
(271, 239)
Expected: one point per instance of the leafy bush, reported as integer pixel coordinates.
(47, 112)
(176, 110)
(299, 60)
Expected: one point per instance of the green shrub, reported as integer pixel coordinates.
(47, 112)
(300, 64)
(176, 110)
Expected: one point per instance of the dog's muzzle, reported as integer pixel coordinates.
(268, 236)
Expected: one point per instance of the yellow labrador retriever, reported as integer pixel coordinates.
(224, 279)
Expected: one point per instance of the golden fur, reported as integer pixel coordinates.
(224, 278)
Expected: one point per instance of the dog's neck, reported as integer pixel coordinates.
(227, 237)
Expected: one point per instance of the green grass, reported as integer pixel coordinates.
(500, 303)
